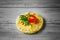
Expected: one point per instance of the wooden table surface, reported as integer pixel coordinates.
(48, 9)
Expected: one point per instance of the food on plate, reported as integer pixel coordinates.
(29, 22)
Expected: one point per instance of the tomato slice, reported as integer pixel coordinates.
(32, 19)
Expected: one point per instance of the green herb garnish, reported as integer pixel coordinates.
(27, 23)
(24, 19)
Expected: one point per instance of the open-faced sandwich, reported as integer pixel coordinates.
(30, 22)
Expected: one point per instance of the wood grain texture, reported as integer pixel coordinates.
(8, 30)
(48, 9)
(29, 3)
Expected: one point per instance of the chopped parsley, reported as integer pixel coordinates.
(24, 19)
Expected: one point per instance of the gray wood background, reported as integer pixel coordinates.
(48, 9)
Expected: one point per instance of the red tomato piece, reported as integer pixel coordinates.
(32, 19)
